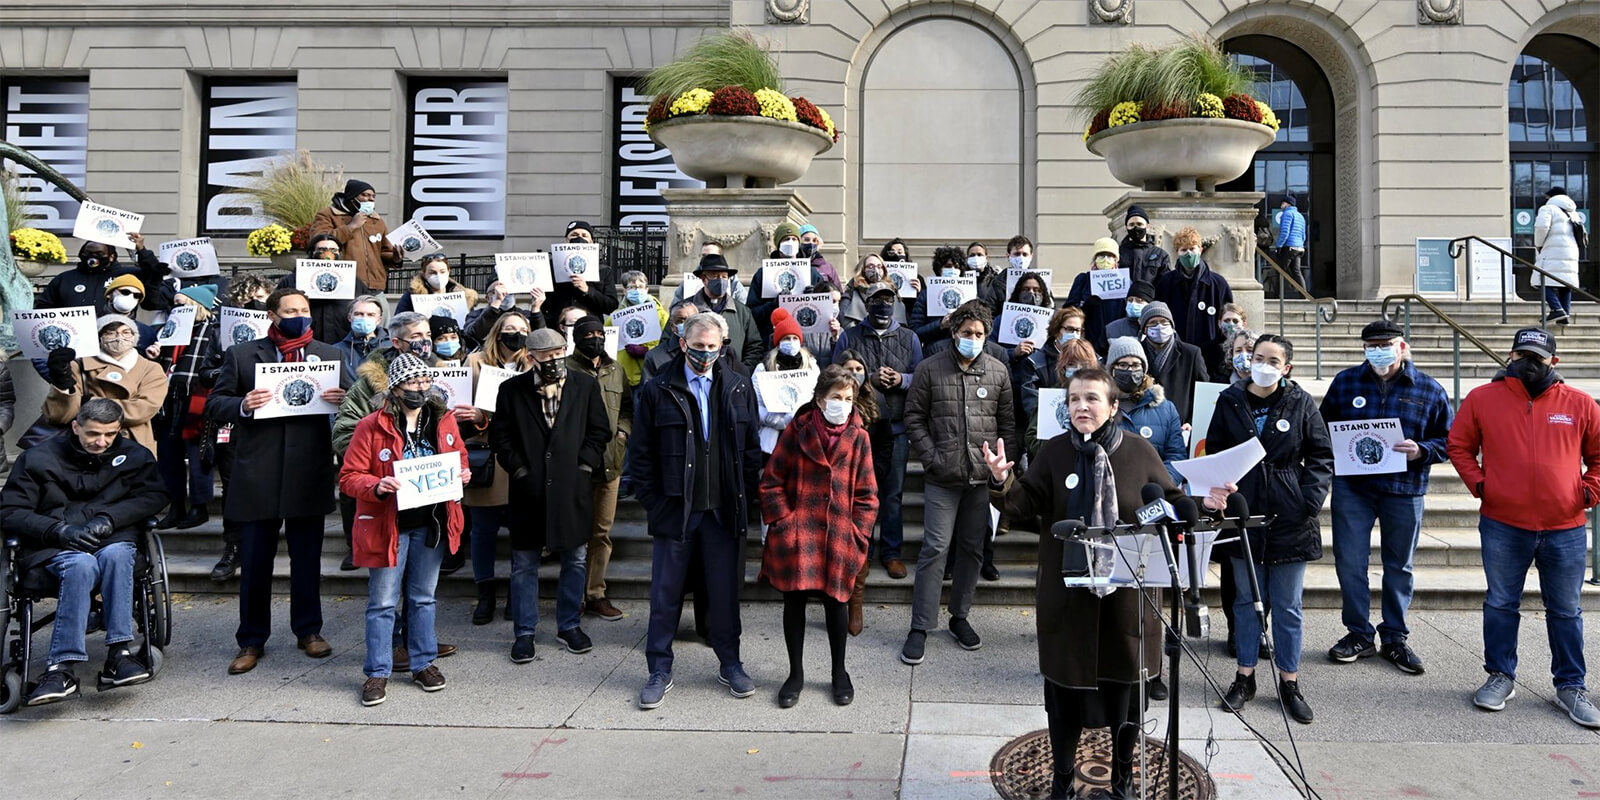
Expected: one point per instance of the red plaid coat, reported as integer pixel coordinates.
(819, 503)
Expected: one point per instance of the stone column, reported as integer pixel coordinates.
(1226, 221)
(741, 220)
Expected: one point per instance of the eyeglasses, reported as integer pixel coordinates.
(129, 293)
(333, 250)
(111, 337)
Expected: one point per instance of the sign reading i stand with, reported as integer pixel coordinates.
(245, 125)
(641, 168)
(49, 117)
(456, 156)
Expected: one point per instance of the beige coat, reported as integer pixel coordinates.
(140, 391)
(367, 247)
(497, 494)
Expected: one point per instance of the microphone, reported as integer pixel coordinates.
(1074, 556)
(1156, 509)
(1197, 616)
(1238, 509)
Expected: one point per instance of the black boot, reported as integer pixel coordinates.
(170, 521)
(228, 565)
(1242, 691)
(1061, 786)
(483, 612)
(1289, 694)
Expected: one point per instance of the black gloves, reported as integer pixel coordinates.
(59, 368)
(100, 527)
(69, 536)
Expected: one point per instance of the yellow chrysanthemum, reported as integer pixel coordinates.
(693, 101)
(1124, 113)
(271, 240)
(1268, 118)
(827, 122)
(32, 244)
(1208, 105)
(774, 105)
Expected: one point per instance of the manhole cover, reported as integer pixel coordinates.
(1022, 768)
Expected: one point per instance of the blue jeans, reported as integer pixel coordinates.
(1399, 519)
(889, 454)
(525, 589)
(1559, 555)
(1559, 299)
(416, 571)
(183, 473)
(1281, 586)
(111, 569)
(486, 522)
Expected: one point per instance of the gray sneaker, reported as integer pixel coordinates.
(655, 690)
(1575, 702)
(1495, 692)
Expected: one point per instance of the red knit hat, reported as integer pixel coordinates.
(784, 325)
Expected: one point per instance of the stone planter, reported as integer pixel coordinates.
(284, 262)
(31, 269)
(1198, 153)
(740, 152)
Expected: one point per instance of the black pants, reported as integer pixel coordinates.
(1070, 709)
(258, 547)
(224, 456)
(1290, 261)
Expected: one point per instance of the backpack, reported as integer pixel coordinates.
(1579, 236)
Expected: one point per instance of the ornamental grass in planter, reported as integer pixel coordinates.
(290, 192)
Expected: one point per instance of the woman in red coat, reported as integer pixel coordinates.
(402, 548)
(821, 498)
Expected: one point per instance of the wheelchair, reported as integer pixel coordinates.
(152, 611)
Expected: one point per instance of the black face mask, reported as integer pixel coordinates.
(577, 240)
(95, 262)
(513, 341)
(1136, 234)
(807, 249)
(1128, 380)
(1031, 298)
(554, 370)
(413, 398)
(1531, 372)
(256, 305)
(591, 346)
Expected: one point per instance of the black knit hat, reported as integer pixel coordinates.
(441, 324)
(1144, 289)
(1136, 211)
(353, 189)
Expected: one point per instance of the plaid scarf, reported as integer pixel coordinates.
(550, 396)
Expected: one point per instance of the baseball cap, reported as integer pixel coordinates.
(1537, 341)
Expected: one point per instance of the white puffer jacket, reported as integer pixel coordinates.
(1552, 234)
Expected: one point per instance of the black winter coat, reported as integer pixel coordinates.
(599, 300)
(58, 481)
(1144, 261)
(661, 452)
(282, 467)
(1196, 305)
(1291, 482)
(82, 287)
(552, 470)
(1177, 377)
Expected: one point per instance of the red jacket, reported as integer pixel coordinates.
(819, 504)
(1531, 453)
(374, 447)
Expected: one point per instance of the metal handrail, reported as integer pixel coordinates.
(1456, 333)
(1458, 246)
(1327, 307)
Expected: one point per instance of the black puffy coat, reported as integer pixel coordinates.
(58, 481)
(951, 412)
(1291, 482)
(552, 470)
(1144, 261)
(81, 286)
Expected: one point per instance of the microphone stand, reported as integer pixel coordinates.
(1173, 661)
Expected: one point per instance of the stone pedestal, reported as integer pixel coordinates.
(741, 220)
(1226, 221)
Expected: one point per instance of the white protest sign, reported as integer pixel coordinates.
(297, 388)
(1020, 322)
(488, 389)
(1212, 471)
(428, 480)
(106, 225)
(39, 331)
(412, 240)
(691, 286)
(638, 324)
(812, 311)
(567, 260)
(780, 276)
(179, 328)
(240, 325)
(325, 280)
(613, 341)
(190, 258)
(786, 390)
(1109, 284)
(947, 294)
(452, 304)
(1055, 416)
(1203, 408)
(1366, 447)
(455, 383)
(1487, 266)
(901, 275)
(521, 273)
(1014, 274)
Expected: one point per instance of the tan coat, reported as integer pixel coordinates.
(498, 493)
(373, 258)
(139, 390)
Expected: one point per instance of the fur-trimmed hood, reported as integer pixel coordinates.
(1153, 396)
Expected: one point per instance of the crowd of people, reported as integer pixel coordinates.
(682, 426)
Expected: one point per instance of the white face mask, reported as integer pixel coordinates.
(368, 207)
(124, 303)
(835, 411)
(1265, 375)
(436, 280)
(789, 247)
(977, 262)
(1021, 261)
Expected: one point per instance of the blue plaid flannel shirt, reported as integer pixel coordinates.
(1416, 399)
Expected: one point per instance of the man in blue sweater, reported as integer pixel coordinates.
(1291, 242)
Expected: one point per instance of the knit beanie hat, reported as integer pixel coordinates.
(124, 281)
(405, 367)
(1122, 347)
(1136, 211)
(784, 325)
(441, 324)
(104, 320)
(1155, 309)
(204, 295)
(783, 231)
(586, 326)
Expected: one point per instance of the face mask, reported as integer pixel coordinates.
(1020, 261)
(977, 262)
(413, 398)
(1128, 380)
(701, 360)
(1525, 369)
(117, 346)
(951, 272)
(1136, 234)
(325, 254)
(256, 305)
(124, 303)
(678, 329)
(872, 274)
(1134, 309)
(1104, 261)
(513, 341)
(1159, 334)
(508, 303)
(578, 240)
(1382, 357)
(421, 349)
(436, 280)
(835, 411)
(860, 377)
(637, 296)
(1228, 329)
(1241, 363)
(1066, 336)
(368, 207)
(447, 348)
(94, 262)
(789, 348)
(294, 327)
(807, 249)
(363, 326)
(717, 287)
(1188, 261)
(591, 347)
(789, 248)
(880, 309)
(897, 256)
(1265, 375)
(1030, 298)
(554, 370)
(1069, 372)
(969, 348)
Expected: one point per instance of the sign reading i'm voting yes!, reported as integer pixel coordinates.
(455, 383)
(190, 258)
(39, 331)
(106, 225)
(488, 389)
(451, 304)
(297, 388)
(240, 325)
(521, 273)
(780, 276)
(1109, 284)
(178, 330)
(1055, 416)
(1020, 322)
(428, 480)
(901, 277)
(947, 294)
(812, 311)
(567, 260)
(325, 280)
(412, 240)
(637, 324)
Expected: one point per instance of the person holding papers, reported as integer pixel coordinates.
(180, 426)
(786, 355)
(433, 277)
(402, 547)
(84, 284)
(947, 263)
(1289, 484)
(597, 297)
(1197, 297)
(1089, 642)
(330, 319)
(352, 220)
(785, 244)
(286, 470)
(117, 372)
(636, 291)
(1387, 386)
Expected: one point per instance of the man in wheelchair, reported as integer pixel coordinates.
(78, 503)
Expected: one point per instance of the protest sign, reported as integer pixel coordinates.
(453, 304)
(455, 383)
(780, 276)
(412, 240)
(297, 388)
(39, 331)
(488, 389)
(638, 324)
(190, 258)
(1020, 322)
(947, 294)
(567, 260)
(106, 225)
(784, 391)
(812, 311)
(1366, 447)
(901, 276)
(240, 325)
(521, 273)
(325, 280)
(428, 480)
(1109, 284)
(179, 327)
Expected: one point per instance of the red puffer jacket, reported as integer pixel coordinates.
(1531, 453)
(374, 448)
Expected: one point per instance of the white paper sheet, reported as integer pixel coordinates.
(1212, 471)
(178, 330)
(521, 273)
(812, 311)
(786, 390)
(1366, 447)
(455, 383)
(190, 258)
(106, 225)
(297, 388)
(428, 480)
(1020, 322)
(452, 303)
(413, 240)
(240, 325)
(488, 388)
(638, 324)
(947, 294)
(39, 331)
(780, 276)
(325, 280)
(901, 273)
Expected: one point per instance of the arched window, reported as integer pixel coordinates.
(1551, 118)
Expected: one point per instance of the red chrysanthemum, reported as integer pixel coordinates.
(658, 109)
(1100, 122)
(806, 112)
(734, 101)
(1241, 106)
(300, 238)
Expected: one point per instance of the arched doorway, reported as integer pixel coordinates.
(1301, 161)
(1553, 111)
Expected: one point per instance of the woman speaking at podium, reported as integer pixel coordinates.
(1089, 646)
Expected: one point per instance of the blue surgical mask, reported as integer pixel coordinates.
(1066, 336)
(678, 328)
(447, 348)
(1382, 357)
(950, 272)
(789, 347)
(368, 207)
(637, 296)
(1134, 309)
(363, 326)
(969, 348)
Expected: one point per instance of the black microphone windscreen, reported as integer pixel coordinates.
(1238, 507)
(1151, 492)
(1188, 512)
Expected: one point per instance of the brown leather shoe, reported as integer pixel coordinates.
(446, 649)
(896, 568)
(315, 646)
(401, 660)
(245, 661)
(602, 608)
